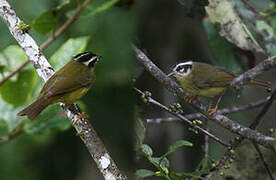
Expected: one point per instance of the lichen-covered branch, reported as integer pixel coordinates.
(93, 143)
(222, 120)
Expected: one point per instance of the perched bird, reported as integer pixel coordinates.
(201, 79)
(67, 85)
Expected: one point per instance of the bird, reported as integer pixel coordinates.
(202, 79)
(67, 85)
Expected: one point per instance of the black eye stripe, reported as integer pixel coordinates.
(87, 58)
(184, 68)
(83, 57)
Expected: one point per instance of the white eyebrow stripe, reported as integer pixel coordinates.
(81, 55)
(184, 63)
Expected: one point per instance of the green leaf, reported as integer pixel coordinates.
(52, 119)
(94, 9)
(103, 7)
(143, 173)
(160, 162)
(178, 144)
(47, 21)
(17, 92)
(205, 165)
(238, 32)
(269, 37)
(224, 55)
(146, 150)
(180, 176)
(8, 115)
(12, 57)
(3, 128)
(140, 132)
(70, 48)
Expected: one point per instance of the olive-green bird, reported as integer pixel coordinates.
(67, 85)
(201, 79)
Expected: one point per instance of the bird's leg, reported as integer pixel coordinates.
(80, 116)
(190, 97)
(76, 110)
(212, 111)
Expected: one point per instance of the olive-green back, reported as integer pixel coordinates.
(208, 76)
(68, 79)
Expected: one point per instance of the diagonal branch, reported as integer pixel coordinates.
(222, 120)
(263, 66)
(237, 141)
(224, 111)
(268, 169)
(183, 118)
(87, 133)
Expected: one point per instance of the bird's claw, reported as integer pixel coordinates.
(80, 116)
(212, 111)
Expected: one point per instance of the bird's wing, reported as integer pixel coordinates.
(210, 76)
(64, 81)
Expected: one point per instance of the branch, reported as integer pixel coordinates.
(267, 168)
(90, 138)
(224, 111)
(167, 82)
(45, 44)
(13, 134)
(237, 141)
(252, 73)
(225, 122)
(206, 141)
(151, 100)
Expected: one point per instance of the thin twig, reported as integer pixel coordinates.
(222, 120)
(12, 135)
(266, 166)
(11, 74)
(45, 44)
(224, 111)
(83, 127)
(237, 141)
(151, 100)
(265, 109)
(206, 141)
(167, 82)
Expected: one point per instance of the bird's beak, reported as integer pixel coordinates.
(99, 57)
(170, 74)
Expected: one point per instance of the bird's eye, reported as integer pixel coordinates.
(184, 68)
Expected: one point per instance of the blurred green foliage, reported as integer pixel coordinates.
(45, 147)
(162, 164)
(224, 55)
(103, 29)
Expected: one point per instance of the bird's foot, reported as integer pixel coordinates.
(212, 111)
(190, 97)
(80, 116)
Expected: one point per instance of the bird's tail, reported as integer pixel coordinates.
(260, 83)
(33, 110)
